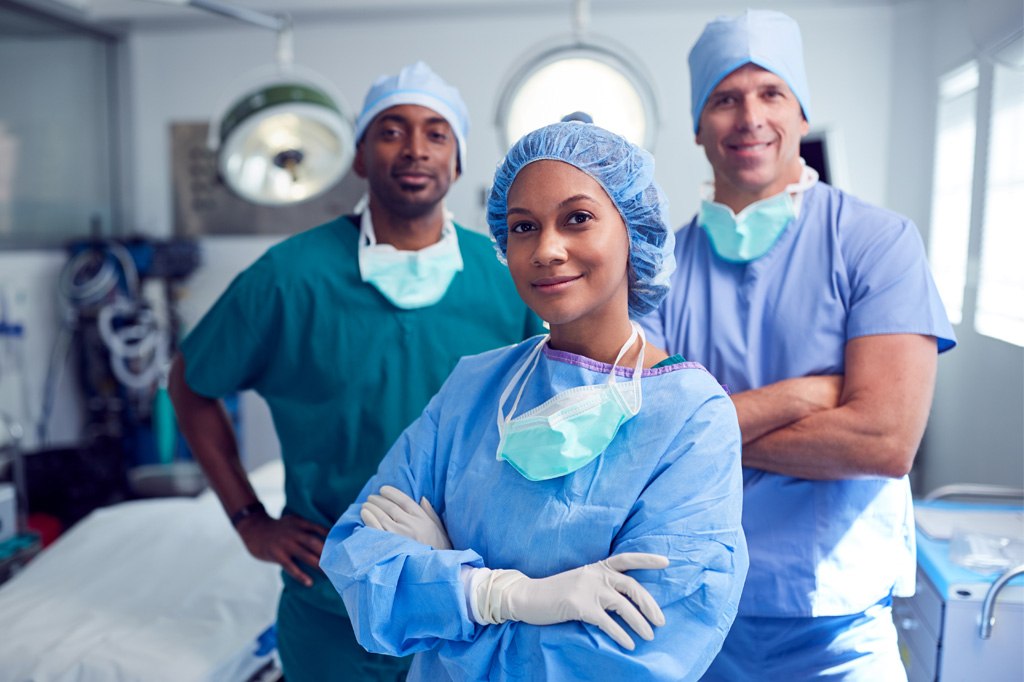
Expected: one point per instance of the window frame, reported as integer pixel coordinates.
(108, 219)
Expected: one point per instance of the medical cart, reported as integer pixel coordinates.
(962, 624)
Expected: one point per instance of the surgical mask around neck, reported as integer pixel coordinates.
(409, 279)
(750, 234)
(574, 427)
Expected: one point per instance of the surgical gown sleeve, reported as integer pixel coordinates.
(401, 596)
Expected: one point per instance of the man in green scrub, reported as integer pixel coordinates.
(347, 330)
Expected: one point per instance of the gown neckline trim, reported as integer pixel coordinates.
(604, 367)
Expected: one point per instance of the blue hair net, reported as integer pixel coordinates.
(626, 172)
(417, 84)
(764, 38)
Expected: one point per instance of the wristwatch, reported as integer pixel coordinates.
(245, 512)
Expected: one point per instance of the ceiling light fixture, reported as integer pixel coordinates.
(579, 73)
(288, 137)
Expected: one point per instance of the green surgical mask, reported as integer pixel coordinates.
(571, 429)
(745, 237)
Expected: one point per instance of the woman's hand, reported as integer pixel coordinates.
(395, 512)
(587, 594)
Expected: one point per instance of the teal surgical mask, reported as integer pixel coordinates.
(409, 279)
(571, 429)
(748, 235)
(745, 237)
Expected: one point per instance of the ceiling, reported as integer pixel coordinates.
(150, 12)
(132, 11)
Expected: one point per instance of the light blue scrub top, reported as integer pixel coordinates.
(843, 269)
(670, 483)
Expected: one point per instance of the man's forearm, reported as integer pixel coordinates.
(877, 426)
(830, 445)
(205, 425)
(772, 407)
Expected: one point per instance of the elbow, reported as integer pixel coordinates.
(895, 457)
(898, 468)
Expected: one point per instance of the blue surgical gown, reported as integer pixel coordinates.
(843, 269)
(669, 484)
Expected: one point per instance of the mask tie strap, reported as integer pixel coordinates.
(530, 362)
(638, 370)
(622, 351)
(634, 382)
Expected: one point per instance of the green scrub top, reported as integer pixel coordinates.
(342, 369)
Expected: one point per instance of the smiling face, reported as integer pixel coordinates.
(750, 130)
(568, 249)
(408, 154)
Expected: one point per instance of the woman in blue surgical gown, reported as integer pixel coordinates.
(579, 493)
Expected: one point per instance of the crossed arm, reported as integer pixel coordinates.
(867, 422)
(689, 513)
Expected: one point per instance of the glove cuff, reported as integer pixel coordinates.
(471, 579)
(491, 600)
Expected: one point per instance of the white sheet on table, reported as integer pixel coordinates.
(158, 589)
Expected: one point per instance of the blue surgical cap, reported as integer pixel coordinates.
(626, 172)
(764, 38)
(417, 84)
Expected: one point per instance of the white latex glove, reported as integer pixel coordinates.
(395, 512)
(586, 594)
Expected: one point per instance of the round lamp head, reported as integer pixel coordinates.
(284, 143)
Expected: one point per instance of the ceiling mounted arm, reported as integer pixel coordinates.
(287, 138)
(275, 22)
(580, 18)
(280, 23)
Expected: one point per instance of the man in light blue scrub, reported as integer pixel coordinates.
(347, 330)
(819, 313)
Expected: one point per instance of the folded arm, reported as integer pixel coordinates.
(874, 428)
(404, 596)
(585, 594)
(766, 409)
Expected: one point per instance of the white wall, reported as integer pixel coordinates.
(184, 75)
(976, 430)
(869, 66)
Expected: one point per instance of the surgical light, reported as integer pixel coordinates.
(288, 137)
(283, 143)
(579, 73)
